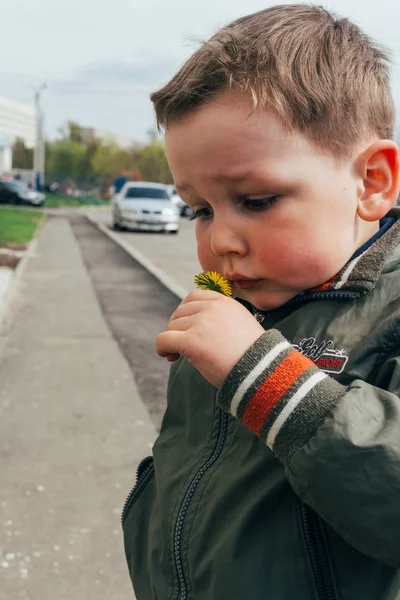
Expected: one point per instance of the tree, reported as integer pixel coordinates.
(74, 157)
(109, 160)
(75, 132)
(22, 157)
(66, 158)
(153, 164)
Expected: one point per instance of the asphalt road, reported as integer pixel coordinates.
(136, 307)
(176, 255)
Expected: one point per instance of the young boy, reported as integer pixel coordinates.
(277, 470)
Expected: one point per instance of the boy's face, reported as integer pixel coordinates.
(271, 209)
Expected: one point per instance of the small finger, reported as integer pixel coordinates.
(179, 324)
(201, 295)
(169, 342)
(186, 310)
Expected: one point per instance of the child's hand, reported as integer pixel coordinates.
(211, 331)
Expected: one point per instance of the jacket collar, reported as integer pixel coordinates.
(361, 273)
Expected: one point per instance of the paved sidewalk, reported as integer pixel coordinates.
(6, 275)
(72, 430)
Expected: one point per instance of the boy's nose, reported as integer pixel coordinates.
(226, 239)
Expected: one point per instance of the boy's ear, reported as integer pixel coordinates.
(379, 167)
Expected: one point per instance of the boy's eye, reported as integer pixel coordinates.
(250, 203)
(204, 212)
(259, 202)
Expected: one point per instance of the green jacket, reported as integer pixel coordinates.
(284, 484)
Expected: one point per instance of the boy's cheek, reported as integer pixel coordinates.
(207, 259)
(296, 268)
(299, 264)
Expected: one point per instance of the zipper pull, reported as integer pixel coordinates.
(259, 316)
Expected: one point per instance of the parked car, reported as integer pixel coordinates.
(184, 209)
(11, 192)
(35, 198)
(146, 206)
(16, 192)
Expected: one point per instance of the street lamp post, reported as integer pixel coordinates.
(39, 157)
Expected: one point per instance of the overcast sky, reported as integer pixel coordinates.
(102, 58)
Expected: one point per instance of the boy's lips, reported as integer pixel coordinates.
(242, 282)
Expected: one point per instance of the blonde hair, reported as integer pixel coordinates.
(322, 75)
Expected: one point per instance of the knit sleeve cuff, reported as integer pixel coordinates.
(279, 394)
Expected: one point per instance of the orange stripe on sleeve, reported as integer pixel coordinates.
(273, 388)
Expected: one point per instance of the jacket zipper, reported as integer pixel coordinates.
(145, 467)
(334, 295)
(318, 554)
(260, 316)
(223, 426)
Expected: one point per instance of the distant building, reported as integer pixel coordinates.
(5, 156)
(17, 120)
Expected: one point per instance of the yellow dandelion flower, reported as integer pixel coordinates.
(211, 280)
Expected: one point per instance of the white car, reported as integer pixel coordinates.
(146, 206)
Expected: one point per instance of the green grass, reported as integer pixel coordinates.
(56, 200)
(18, 225)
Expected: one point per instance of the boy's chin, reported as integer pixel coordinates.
(267, 301)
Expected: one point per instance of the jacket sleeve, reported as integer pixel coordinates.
(340, 446)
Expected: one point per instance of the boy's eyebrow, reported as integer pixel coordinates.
(266, 178)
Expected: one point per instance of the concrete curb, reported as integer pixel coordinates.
(15, 279)
(158, 273)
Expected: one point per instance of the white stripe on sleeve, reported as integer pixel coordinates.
(256, 372)
(291, 405)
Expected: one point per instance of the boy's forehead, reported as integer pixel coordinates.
(223, 120)
(232, 142)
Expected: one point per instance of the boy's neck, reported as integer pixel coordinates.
(369, 230)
